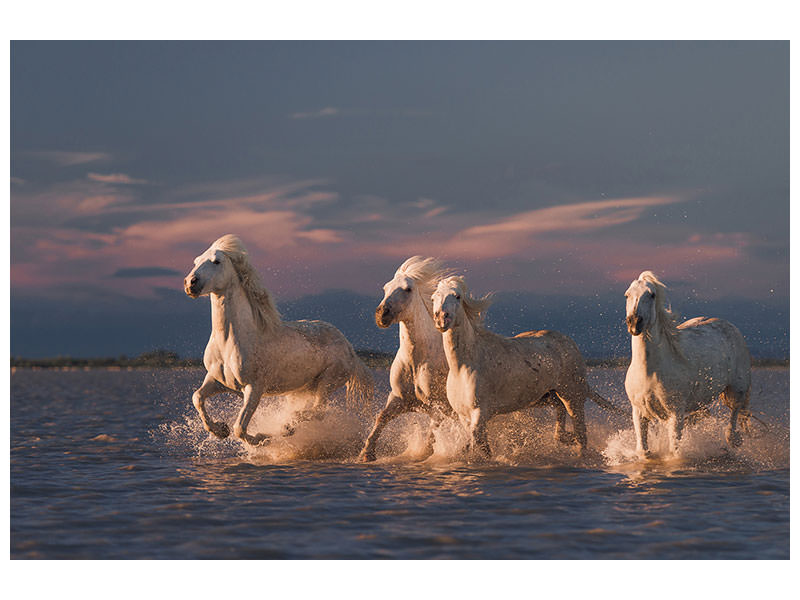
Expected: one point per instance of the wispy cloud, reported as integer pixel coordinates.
(114, 178)
(508, 235)
(328, 111)
(308, 238)
(68, 159)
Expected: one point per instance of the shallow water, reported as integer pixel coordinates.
(109, 464)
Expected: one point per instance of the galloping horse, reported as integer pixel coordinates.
(419, 369)
(253, 353)
(676, 369)
(491, 374)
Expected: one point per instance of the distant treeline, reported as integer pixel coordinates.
(164, 359)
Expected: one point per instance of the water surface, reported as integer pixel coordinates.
(114, 464)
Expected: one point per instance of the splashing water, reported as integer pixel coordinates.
(523, 438)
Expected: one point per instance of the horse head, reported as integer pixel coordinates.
(641, 303)
(398, 295)
(213, 272)
(417, 276)
(448, 311)
(453, 305)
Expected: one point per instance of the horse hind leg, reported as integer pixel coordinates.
(325, 388)
(561, 435)
(575, 409)
(676, 422)
(739, 403)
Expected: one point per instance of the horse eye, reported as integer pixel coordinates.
(406, 290)
(652, 295)
(458, 297)
(215, 261)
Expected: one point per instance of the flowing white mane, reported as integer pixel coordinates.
(426, 272)
(260, 299)
(666, 320)
(474, 308)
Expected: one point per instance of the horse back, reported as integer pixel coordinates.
(556, 350)
(705, 341)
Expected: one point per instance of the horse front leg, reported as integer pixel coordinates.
(640, 424)
(395, 406)
(209, 387)
(479, 436)
(436, 416)
(252, 397)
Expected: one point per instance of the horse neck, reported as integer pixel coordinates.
(459, 344)
(651, 349)
(418, 335)
(231, 313)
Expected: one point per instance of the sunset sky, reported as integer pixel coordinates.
(548, 169)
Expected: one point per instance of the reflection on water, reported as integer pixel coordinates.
(126, 471)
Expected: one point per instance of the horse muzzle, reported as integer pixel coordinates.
(635, 324)
(383, 316)
(190, 287)
(442, 321)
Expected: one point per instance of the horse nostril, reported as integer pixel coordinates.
(193, 280)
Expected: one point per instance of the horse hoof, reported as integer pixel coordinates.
(259, 439)
(567, 438)
(367, 456)
(221, 430)
(734, 438)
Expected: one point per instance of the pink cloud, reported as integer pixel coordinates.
(505, 237)
(119, 178)
(69, 159)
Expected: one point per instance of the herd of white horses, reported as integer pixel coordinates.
(449, 364)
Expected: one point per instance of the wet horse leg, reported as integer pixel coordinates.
(395, 405)
(325, 388)
(252, 397)
(436, 416)
(737, 403)
(573, 404)
(210, 387)
(675, 425)
(640, 424)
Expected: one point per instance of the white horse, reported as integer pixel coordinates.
(253, 353)
(677, 370)
(419, 369)
(491, 374)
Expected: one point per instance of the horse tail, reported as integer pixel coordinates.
(360, 387)
(605, 404)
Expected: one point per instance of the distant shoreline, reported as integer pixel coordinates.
(163, 359)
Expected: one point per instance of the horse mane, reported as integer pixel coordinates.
(474, 308)
(426, 272)
(261, 302)
(666, 320)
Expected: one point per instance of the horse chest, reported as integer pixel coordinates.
(461, 385)
(423, 383)
(648, 395)
(225, 365)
